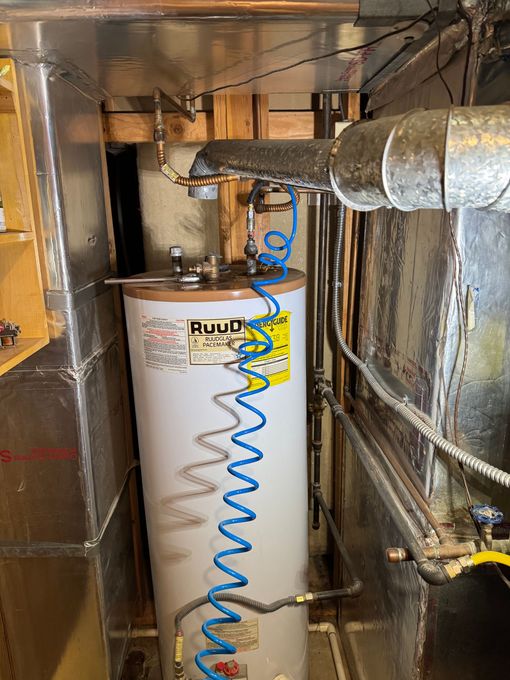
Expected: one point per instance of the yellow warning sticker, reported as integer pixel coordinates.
(243, 635)
(275, 365)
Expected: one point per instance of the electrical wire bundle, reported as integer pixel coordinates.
(252, 350)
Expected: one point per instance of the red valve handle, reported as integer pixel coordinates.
(229, 669)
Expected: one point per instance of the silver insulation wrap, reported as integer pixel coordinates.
(442, 158)
(302, 163)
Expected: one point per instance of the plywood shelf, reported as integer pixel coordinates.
(24, 348)
(15, 236)
(21, 291)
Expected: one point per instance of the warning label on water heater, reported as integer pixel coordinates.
(215, 341)
(164, 344)
(244, 636)
(275, 366)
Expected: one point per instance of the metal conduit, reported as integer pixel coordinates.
(444, 159)
(481, 467)
(320, 324)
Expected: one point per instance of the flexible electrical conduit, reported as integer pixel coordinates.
(468, 460)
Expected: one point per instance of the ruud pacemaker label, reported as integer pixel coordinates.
(215, 341)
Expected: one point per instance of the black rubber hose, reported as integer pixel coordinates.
(255, 191)
(291, 601)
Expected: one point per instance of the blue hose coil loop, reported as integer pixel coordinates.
(260, 346)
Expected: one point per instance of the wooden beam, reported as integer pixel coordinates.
(261, 126)
(137, 128)
(233, 119)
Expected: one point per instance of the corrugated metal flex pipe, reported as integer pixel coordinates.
(445, 159)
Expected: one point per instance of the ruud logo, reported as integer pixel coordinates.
(215, 341)
(217, 327)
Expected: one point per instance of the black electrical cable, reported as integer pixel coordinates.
(310, 60)
(464, 14)
(439, 68)
(257, 186)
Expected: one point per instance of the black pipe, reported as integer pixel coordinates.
(356, 588)
(320, 325)
(432, 572)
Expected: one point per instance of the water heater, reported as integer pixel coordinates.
(183, 342)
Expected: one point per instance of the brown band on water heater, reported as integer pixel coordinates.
(232, 286)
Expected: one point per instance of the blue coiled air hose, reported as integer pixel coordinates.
(251, 351)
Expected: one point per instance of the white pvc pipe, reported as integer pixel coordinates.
(144, 632)
(330, 630)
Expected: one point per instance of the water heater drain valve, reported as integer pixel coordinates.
(231, 669)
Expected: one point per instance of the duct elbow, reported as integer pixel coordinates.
(200, 168)
(433, 573)
(356, 588)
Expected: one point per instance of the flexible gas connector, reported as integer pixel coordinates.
(166, 169)
(261, 345)
(261, 207)
(465, 564)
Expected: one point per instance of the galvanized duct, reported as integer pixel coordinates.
(445, 159)
(35, 10)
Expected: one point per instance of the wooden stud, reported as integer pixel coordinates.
(233, 119)
(261, 131)
(137, 128)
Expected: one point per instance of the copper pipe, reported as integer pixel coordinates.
(408, 483)
(166, 169)
(445, 552)
(276, 207)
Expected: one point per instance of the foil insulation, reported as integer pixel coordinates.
(67, 585)
(409, 333)
(443, 159)
(300, 163)
(126, 49)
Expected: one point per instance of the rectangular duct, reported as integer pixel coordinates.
(67, 584)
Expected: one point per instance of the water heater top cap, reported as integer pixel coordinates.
(232, 285)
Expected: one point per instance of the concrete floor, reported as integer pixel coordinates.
(143, 660)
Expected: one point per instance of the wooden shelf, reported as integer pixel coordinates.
(15, 236)
(21, 290)
(25, 347)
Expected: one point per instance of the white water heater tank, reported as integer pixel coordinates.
(182, 342)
